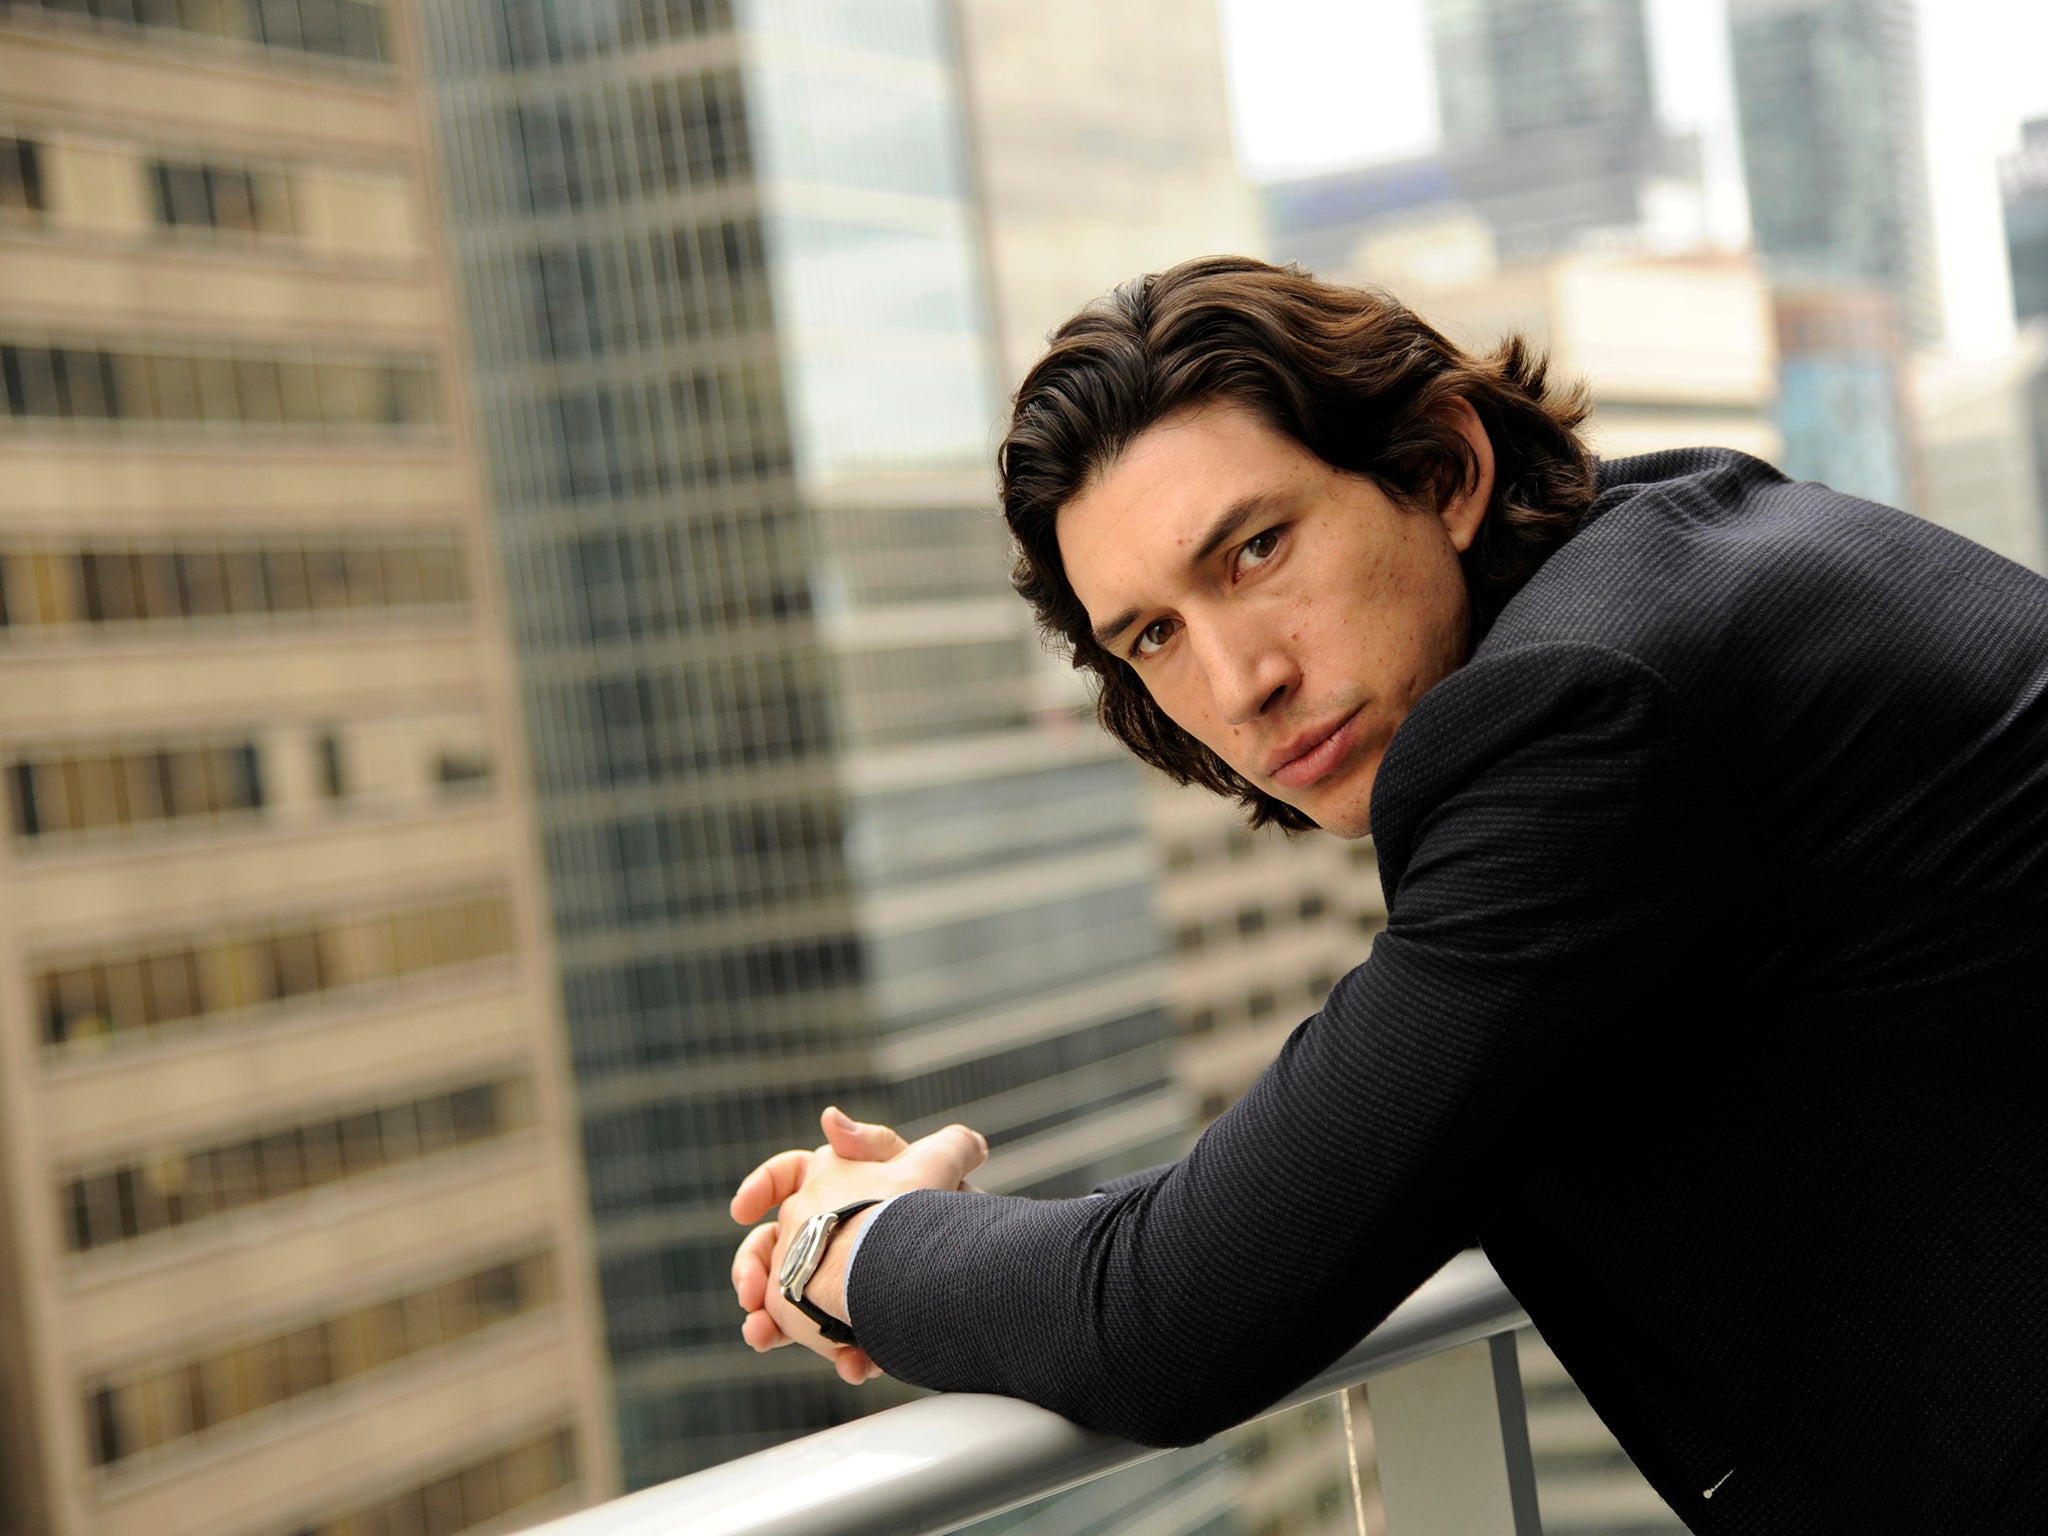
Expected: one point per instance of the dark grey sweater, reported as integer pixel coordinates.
(1717, 884)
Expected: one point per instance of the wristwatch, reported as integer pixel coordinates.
(801, 1262)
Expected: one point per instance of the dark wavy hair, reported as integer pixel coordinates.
(1348, 373)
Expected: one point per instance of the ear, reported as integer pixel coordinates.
(1466, 509)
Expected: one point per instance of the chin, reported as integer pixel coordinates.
(1347, 813)
(1350, 829)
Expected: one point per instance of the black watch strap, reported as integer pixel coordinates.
(834, 1330)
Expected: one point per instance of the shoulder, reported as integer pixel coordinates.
(1708, 562)
(1717, 626)
(1557, 731)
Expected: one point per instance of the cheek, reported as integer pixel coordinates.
(1179, 693)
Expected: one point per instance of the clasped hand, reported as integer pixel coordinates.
(857, 1162)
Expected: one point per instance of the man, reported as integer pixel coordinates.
(1712, 812)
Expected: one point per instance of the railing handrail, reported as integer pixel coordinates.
(945, 1461)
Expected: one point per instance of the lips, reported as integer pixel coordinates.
(1315, 754)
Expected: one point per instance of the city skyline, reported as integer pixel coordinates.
(1300, 106)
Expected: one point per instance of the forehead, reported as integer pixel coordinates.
(1138, 523)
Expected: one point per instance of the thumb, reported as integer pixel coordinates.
(943, 1159)
(857, 1142)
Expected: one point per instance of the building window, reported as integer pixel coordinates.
(21, 176)
(143, 1409)
(464, 1497)
(222, 197)
(172, 1187)
(1251, 920)
(106, 582)
(204, 980)
(52, 381)
(458, 770)
(1187, 938)
(81, 791)
(351, 30)
(327, 765)
(1312, 906)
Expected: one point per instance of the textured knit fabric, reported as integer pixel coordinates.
(1717, 889)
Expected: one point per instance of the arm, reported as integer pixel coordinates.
(1555, 865)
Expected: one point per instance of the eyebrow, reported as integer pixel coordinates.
(1231, 520)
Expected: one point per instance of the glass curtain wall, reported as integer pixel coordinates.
(808, 837)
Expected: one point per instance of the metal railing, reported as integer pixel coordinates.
(1453, 1445)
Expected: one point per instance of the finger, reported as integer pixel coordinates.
(769, 1185)
(858, 1142)
(760, 1330)
(750, 1267)
(943, 1159)
(854, 1366)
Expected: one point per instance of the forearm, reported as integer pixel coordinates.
(1169, 1311)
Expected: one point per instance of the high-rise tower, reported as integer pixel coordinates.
(810, 832)
(2023, 178)
(290, 1218)
(1829, 100)
(1550, 123)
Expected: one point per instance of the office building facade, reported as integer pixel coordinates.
(1840, 407)
(1551, 138)
(2023, 179)
(812, 833)
(291, 1231)
(1550, 122)
(1828, 98)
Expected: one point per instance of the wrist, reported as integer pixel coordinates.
(802, 1279)
(828, 1285)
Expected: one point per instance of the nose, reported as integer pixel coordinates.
(1250, 668)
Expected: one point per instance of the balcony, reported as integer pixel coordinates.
(1452, 1443)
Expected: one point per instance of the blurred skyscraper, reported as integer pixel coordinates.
(1551, 137)
(811, 834)
(1550, 124)
(1829, 101)
(1840, 404)
(2023, 176)
(1828, 94)
(1549, 117)
(1102, 149)
(291, 1232)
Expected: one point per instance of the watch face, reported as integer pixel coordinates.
(801, 1262)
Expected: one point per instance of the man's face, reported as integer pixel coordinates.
(1285, 614)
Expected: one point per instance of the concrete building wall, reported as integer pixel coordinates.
(1678, 351)
(1982, 427)
(293, 1231)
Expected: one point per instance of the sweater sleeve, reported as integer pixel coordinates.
(1550, 862)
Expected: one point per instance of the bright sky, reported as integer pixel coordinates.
(1317, 84)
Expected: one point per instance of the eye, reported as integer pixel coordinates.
(1255, 552)
(1152, 637)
